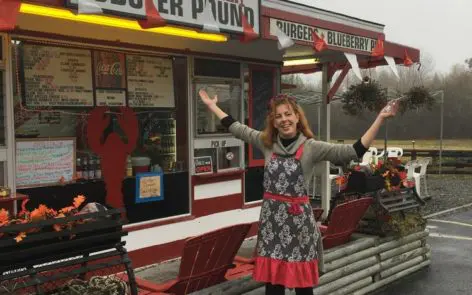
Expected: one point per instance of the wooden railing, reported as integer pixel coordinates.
(452, 161)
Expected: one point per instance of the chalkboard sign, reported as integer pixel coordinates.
(203, 165)
(44, 161)
(262, 89)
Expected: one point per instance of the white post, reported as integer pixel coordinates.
(325, 136)
(441, 132)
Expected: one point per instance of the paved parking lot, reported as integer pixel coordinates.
(451, 267)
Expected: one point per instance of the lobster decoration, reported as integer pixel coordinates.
(112, 150)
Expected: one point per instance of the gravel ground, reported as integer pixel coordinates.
(447, 191)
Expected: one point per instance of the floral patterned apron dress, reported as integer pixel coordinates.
(288, 236)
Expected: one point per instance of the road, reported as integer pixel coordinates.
(450, 271)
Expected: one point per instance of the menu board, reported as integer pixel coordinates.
(149, 187)
(57, 76)
(44, 161)
(150, 82)
(110, 80)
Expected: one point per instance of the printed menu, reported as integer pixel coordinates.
(150, 82)
(57, 76)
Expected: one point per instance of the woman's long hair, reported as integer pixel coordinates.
(269, 134)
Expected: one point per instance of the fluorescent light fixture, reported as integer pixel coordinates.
(299, 62)
(116, 22)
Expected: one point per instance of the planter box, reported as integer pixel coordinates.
(394, 213)
(103, 230)
(46, 259)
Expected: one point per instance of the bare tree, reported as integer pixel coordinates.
(415, 75)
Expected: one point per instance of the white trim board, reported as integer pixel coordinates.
(177, 231)
(217, 189)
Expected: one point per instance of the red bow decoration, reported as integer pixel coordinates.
(407, 60)
(295, 209)
(378, 50)
(9, 10)
(319, 44)
(153, 18)
(248, 31)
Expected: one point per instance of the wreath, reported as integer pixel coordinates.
(367, 95)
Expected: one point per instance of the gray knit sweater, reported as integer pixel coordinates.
(313, 152)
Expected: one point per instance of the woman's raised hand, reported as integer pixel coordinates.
(206, 99)
(211, 104)
(390, 110)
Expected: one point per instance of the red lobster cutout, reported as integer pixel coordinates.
(112, 151)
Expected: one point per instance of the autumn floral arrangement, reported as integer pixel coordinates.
(391, 171)
(39, 214)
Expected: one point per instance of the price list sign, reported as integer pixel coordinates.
(149, 187)
(57, 76)
(42, 162)
(150, 82)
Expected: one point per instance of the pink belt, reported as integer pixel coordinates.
(295, 202)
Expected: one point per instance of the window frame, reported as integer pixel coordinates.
(195, 81)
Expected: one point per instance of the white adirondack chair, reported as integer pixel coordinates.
(394, 152)
(421, 184)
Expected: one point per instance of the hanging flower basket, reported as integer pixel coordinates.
(367, 95)
(417, 97)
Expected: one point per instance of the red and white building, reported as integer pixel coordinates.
(49, 43)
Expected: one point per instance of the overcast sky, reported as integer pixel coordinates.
(442, 29)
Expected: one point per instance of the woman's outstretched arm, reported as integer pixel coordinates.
(239, 130)
(343, 153)
(388, 111)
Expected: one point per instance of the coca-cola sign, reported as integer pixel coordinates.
(109, 70)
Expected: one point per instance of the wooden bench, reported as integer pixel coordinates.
(399, 200)
(45, 260)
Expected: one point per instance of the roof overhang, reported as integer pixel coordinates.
(343, 34)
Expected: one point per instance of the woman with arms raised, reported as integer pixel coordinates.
(289, 240)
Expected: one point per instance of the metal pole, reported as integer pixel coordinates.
(385, 141)
(441, 132)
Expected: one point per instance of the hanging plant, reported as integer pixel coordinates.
(417, 97)
(367, 95)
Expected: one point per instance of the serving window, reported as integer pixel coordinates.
(56, 86)
(229, 99)
(213, 144)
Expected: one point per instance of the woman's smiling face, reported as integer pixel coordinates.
(285, 121)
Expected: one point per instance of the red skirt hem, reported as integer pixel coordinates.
(289, 274)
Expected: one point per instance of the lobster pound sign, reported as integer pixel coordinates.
(112, 150)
